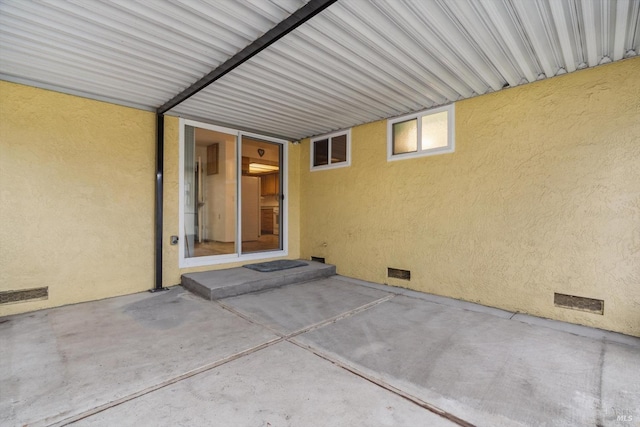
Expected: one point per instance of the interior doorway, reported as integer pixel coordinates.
(232, 194)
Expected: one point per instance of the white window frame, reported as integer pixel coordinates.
(329, 137)
(183, 261)
(451, 125)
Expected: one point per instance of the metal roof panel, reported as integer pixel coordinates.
(355, 62)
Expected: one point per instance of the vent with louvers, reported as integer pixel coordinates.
(397, 273)
(579, 303)
(23, 295)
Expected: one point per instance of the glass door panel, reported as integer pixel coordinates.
(261, 195)
(210, 192)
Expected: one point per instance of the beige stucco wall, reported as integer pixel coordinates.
(76, 197)
(542, 195)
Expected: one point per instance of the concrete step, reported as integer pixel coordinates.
(218, 284)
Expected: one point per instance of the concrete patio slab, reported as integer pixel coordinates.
(294, 307)
(327, 352)
(450, 302)
(60, 362)
(282, 385)
(484, 369)
(217, 284)
(620, 386)
(584, 331)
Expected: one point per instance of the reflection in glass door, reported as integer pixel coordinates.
(210, 192)
(261, 195)
(232, 188)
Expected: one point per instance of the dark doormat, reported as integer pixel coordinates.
(282, 264)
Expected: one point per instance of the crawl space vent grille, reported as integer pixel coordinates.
(579, 303)
(397, 273)
(8, 297)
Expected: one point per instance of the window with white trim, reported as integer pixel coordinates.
(421, 134)
(331, 150)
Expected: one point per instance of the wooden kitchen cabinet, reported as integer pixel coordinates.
(269, 184)
(266, 220)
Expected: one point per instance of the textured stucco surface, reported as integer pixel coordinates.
(77, 191)
(76, 197)
(542, 195)
(170, 269)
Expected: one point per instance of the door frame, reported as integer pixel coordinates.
(284, 211)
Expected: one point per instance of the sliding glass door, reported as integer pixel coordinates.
(231, 195)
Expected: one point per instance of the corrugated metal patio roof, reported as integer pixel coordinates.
(355, 62)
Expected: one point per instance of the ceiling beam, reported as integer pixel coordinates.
(296, 19)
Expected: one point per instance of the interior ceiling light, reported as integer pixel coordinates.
(262, 168)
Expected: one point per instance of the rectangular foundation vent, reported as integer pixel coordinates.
(23, 295)
(317, 259)
(397, 273)
(579, 303)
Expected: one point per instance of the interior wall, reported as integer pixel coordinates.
(230, 183)
(201, 152)
(76, 197)
(542, 195)
(221, 193)
(213, 196)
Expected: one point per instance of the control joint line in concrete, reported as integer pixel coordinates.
(165, 383)
(208, 367)
(247, 318)
(340, 316)
(311, 327)
(385, 385)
